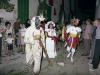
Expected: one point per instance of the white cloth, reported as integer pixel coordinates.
(73, 30)
(68, 26)
(9, 40)
(28, 39)
(10, 30)
(33, 48)
(50, 44)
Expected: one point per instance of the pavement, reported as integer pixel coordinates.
(15, 64)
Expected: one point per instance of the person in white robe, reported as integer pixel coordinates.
(50, 40)
(33, 48)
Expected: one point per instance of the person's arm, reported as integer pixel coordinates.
(90, 33)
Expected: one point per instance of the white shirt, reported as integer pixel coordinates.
(68, 26)
(10, 30)
(73, 30)
(10, 40)
(28, 39)
(51, 32)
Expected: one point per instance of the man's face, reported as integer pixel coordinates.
(76, 22)
(96, 23)
(37, 22)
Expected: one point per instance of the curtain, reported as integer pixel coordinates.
(23, 10)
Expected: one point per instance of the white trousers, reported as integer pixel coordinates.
(33, 55)
(71, 52)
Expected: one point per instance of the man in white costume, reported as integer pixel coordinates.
(33, 49)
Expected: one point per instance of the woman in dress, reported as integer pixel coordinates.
(50, 40)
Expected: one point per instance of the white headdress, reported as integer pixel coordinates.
(41, 17)
(48, 23)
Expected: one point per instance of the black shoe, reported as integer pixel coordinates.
(88, 58)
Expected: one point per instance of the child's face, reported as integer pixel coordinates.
(51, 26)
(8, 26)
(76, 22)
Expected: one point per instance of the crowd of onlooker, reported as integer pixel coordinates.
(91, 41)
(12, 36)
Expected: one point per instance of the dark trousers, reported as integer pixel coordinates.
(96, 57)
(92, 49)
(0, 45)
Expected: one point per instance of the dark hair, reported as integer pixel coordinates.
(89, 21)
(26, 23)
(6, 23)
(9, 34)
(42, 22)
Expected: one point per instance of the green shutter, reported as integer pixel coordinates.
(23, 10)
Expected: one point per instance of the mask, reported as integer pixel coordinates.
(37, 22)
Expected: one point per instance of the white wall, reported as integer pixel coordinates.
(9, 15)
(6, 15)
(33, 6)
